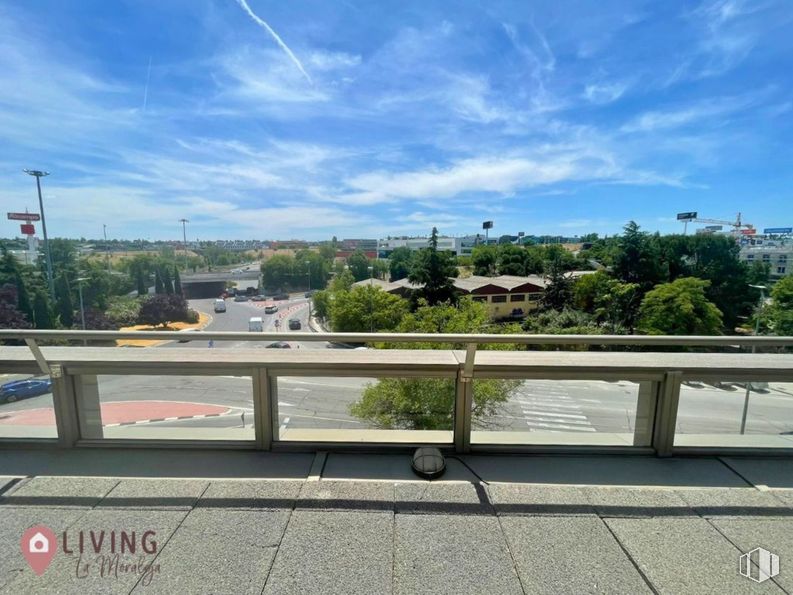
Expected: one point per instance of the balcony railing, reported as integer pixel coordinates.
(667, 401)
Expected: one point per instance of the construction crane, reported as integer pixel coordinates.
(736, 225)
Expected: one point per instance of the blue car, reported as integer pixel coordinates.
(24, 389)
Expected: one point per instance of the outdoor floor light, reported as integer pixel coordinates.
(428, 462)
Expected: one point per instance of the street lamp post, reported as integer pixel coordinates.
(184, 223)
(308, 269)
(371, 304)
(107, 249)
(762, 289)
(51, 281)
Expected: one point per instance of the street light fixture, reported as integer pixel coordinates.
(51, 281)
(762, 289)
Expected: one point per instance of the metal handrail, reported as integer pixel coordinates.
(457, 338)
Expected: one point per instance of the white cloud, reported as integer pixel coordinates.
(601, 93)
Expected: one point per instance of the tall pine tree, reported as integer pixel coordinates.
(167, 284)
(63, 301)
(159, 288)
(177, 281)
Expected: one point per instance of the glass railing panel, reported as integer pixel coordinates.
(26, 407)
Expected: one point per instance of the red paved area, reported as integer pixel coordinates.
(116, 412)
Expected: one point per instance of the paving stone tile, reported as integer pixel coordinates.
(219, 551)
(684, 555)
(715, 502)
(454, 554)
(347, 495)
(334, 553)
(59, 491)
(155, 493)
(14, 521)
(442, 498)
(772, 534)
(784, 496)
(636, 502)
(570, 554)
(264, 494)
(96, 573)
(520, 498)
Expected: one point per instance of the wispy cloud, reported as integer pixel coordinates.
(275, 37)
(601, 93)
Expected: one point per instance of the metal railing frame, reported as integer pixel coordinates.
(660, 411)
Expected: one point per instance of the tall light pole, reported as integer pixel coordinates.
(308, 269)
(51, 281)
(184, 232)
(371, 304)
(762, 289)
(107, 249)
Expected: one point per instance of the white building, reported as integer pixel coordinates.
(460, 246)
(777, 253)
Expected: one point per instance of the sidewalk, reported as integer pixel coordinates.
(246, 522)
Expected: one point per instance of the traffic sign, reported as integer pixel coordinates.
(687, 216)
(778, 230)
(24, 216)
(27, 229)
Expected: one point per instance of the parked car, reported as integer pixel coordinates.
(294, 324)
(24, 389)
(270, 309)
(279, 345)
(241, 298)
(281, 296)
(258, 298)
(220, 306)
(308, 294)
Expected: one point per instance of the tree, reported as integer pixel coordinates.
(589, 288)
(42, 315)
(428, 404)
(342, 282)
(159, 288)
(358, 265)
(63, 301)
(679, 308)
(177, 282)
(321, 303)
(511, 260)
(619, 306)
(167, 283)
(559, 291)
(484, 259)
(162, 309)
(434, 270)
(10, 315)
(399, 262)
(277, 271)
(781, 310)
(366, 308)
(11, 273)
(639, 258)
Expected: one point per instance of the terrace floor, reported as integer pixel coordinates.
(252, 522)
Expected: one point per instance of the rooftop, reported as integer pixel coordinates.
(241, 521)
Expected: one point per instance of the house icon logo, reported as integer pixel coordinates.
(758, 565)
(39, 544)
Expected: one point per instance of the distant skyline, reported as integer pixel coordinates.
(308, 119)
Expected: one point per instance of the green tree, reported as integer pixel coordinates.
(399, 262)
(321, 303)
(63, 301)
(10, 316)
(42, 315)
(484, 259)
(679, 308)
(159, 288)
(558, 292)
(163, 309)
(277, 271)
(167, 282)
(435, 270)
(619, 306)
(366, 308)
(11, 273)
(358, 265)
(512, 260)
(781, 310)
(177, 282)
(589, 288)
(342, 282)
(428, 404)
(639, 258)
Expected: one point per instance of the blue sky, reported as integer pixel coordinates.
(364, 119)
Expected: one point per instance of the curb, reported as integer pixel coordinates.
(179, 417)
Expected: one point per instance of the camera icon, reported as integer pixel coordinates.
(39, 544)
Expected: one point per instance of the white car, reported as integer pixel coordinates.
(220, 305)
(256, 325)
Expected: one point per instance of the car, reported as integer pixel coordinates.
(270, 309)
(24, 389)
(294, 324)
(279, 345)
(308, 294)
(256, 325)
(220, 305)
(258, 298)
(281, 296)
(241, 298)
(188, 330)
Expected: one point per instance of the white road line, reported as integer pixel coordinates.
(573, 415)
(560, 427)
(590, 400)
(544, 395)
(283, 425)
(284, 404)
(578, 422)
(549, 404)
(300, 390)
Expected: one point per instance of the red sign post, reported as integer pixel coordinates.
(24, 216)
(28, 229)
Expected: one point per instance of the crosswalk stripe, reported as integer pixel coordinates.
(578, 422)
(560, 427)
(562, 406)
(553, 413)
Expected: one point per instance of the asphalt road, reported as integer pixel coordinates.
(537, 405)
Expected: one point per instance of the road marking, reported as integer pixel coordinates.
(560, 427)
(283, 404)
(283, 425)
(578, 422)
(536, 403)
(572, 415)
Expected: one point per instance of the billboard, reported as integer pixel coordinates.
(714, 227)
(24, 216)
(27, 229)
(487, 225)
(778, 230)
(748, 232)
(687, 216)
